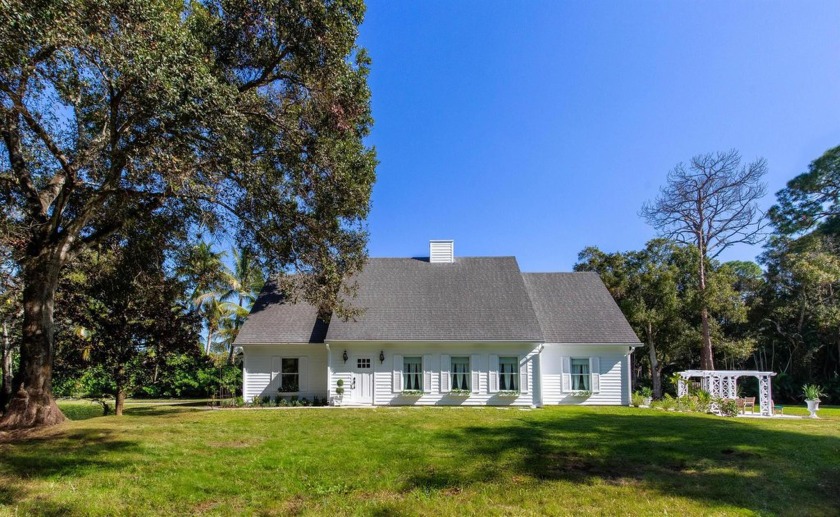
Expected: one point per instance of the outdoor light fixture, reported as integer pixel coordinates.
(345, 356)
(381, 356)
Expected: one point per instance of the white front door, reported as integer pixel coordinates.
(362, 387)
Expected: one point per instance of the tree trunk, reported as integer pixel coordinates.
(119, 396)
(6, 391)
(119, 403)
(32, 404)
(707, 361)
(655, 376)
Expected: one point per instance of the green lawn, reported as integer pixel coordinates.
(433, 461)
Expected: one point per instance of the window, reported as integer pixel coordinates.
(461, 373)
(363, 363)
(289, 375)
(508, 374)
(580, 375)
(413, 373)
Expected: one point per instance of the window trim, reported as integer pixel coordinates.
(587, 376)
(467, 374)
(514, 375)
(421, 373)
(281, 374)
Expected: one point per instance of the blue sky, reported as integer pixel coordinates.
(537, 128)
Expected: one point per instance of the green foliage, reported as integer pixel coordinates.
(810, 199)
(812, 392)
(646, 392)
(636, 399)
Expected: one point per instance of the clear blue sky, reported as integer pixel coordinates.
(537, 128)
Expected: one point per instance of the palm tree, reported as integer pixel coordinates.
(205, 273)
(246, 281)
(214, 312)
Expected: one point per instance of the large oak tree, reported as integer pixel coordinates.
(241, 115)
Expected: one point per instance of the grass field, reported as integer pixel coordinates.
(161, 459)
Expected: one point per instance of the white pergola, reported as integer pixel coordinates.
(724, 384)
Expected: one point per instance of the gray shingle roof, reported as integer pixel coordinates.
(577, 308)
(472, 299)
(273, 321)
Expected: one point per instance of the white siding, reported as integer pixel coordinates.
(259, 370)
(383, 371)
(612, 361)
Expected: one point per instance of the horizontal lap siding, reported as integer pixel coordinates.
(613, 363)
(258, 365)
(383, 372)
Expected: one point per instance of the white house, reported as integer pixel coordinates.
(446, 330)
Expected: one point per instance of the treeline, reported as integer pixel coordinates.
(147, 313)
(780, 313)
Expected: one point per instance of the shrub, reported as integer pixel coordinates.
(646, 392)
(636, 399)
(340, 389)
(728, 407)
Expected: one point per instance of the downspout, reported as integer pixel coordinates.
(537, 378)
(329, 372)
(629, 384)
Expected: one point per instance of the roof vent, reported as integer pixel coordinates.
(442, 252)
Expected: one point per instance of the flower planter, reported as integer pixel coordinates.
(459, 393)
(813, 407)
(647, 401)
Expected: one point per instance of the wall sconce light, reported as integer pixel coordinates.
(381, 356)
(345, 356)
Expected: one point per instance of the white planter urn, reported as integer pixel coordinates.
(647, 401)
(813, 407)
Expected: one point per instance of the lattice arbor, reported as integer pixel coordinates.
(724, 384)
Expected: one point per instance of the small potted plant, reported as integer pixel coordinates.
(412, 393)
(459, 392)
(812, 394)
(339, 392)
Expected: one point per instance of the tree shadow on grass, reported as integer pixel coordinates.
(714, 460)
(65, 454)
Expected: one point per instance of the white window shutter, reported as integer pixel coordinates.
(275, 367)
(523, 375)
(398, 369)
(476, 373)
(565, 374)
(445, 379)
(427, 374)
(303, 374)
(493, 369)
(595, 374)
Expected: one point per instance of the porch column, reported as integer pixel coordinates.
(765, 396)
(682, 389)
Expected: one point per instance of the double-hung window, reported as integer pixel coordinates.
(461, 373)
(290, 375)
(509, 374)
(413, 373)
(580, 375)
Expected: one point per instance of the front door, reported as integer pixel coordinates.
(362, 381)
